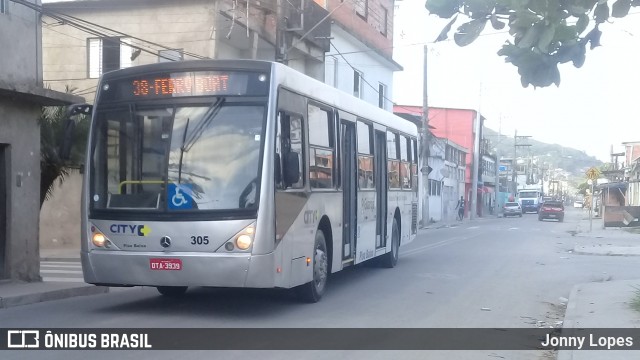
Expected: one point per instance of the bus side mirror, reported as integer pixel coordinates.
(292, 168)
(67, 139)
(69, 128)
(79, 109)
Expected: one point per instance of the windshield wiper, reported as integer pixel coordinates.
(211, 113)
(184, 137)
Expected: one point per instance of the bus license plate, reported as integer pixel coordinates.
(165, 264)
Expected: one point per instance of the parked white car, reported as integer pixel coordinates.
(512, 209)
(579, 204)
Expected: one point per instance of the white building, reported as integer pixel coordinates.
(446, 179)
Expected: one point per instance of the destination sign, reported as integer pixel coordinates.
(183, 84)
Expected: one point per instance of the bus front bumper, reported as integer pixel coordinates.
(121, 268)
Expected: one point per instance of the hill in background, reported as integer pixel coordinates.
(572, 160)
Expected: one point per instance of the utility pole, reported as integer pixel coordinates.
(281, 34)
(473, 202)
(425, 144)
(514, 177)
(496, 203)
(514, 163)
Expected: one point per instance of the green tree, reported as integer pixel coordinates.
(52, 166)
(545, 33)
(582, 188)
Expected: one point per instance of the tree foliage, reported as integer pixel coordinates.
(583, 187)
(544, 33)
(52, 166)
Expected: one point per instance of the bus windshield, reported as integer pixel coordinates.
(177, 158)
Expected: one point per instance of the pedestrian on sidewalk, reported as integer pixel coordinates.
(460, 208)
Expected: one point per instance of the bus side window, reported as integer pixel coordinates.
(321, 147)
(289, 146)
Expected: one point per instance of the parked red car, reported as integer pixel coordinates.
(551, 210)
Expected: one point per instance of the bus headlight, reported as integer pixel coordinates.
(98, 239)
(243, 239)
(243, 242)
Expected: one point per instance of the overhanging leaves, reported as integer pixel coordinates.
(621, 8)
(593, 37)
(601, 13)
(497, 24)
(445, 31)
(468, 32)
(531, 35)
(546, 37)
(583, 22)
(443, 8)
(544, 33)
(479, 8)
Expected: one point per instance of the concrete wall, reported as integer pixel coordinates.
(20, 44)
(60, 216)
(19, 137)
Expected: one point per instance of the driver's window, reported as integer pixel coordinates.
(289, 139)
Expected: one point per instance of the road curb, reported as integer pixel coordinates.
(604, 252)
(53, 258)
(51, 295)
(569, 321)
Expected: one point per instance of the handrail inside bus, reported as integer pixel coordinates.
(127, 182)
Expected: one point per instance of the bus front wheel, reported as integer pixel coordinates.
(172, 291)
(312, 291)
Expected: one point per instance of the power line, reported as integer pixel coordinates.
(81, 24)
(366, 82)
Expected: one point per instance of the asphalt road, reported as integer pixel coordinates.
(487, 273)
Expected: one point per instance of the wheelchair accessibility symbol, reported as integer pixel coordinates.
(180, 196)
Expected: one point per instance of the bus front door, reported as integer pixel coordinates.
(349, 190)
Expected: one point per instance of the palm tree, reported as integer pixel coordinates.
(52, 166)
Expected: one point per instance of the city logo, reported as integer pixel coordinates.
(23, 339)
(126, 229)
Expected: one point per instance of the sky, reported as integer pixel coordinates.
(594, 107)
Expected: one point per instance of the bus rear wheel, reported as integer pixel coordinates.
(312, 291)
(390, 259)
(172, 291)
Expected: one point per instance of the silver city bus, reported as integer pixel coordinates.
(240, 174)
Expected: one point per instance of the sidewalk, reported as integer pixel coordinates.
(16, 293)
(602, 304)
(452, 221)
